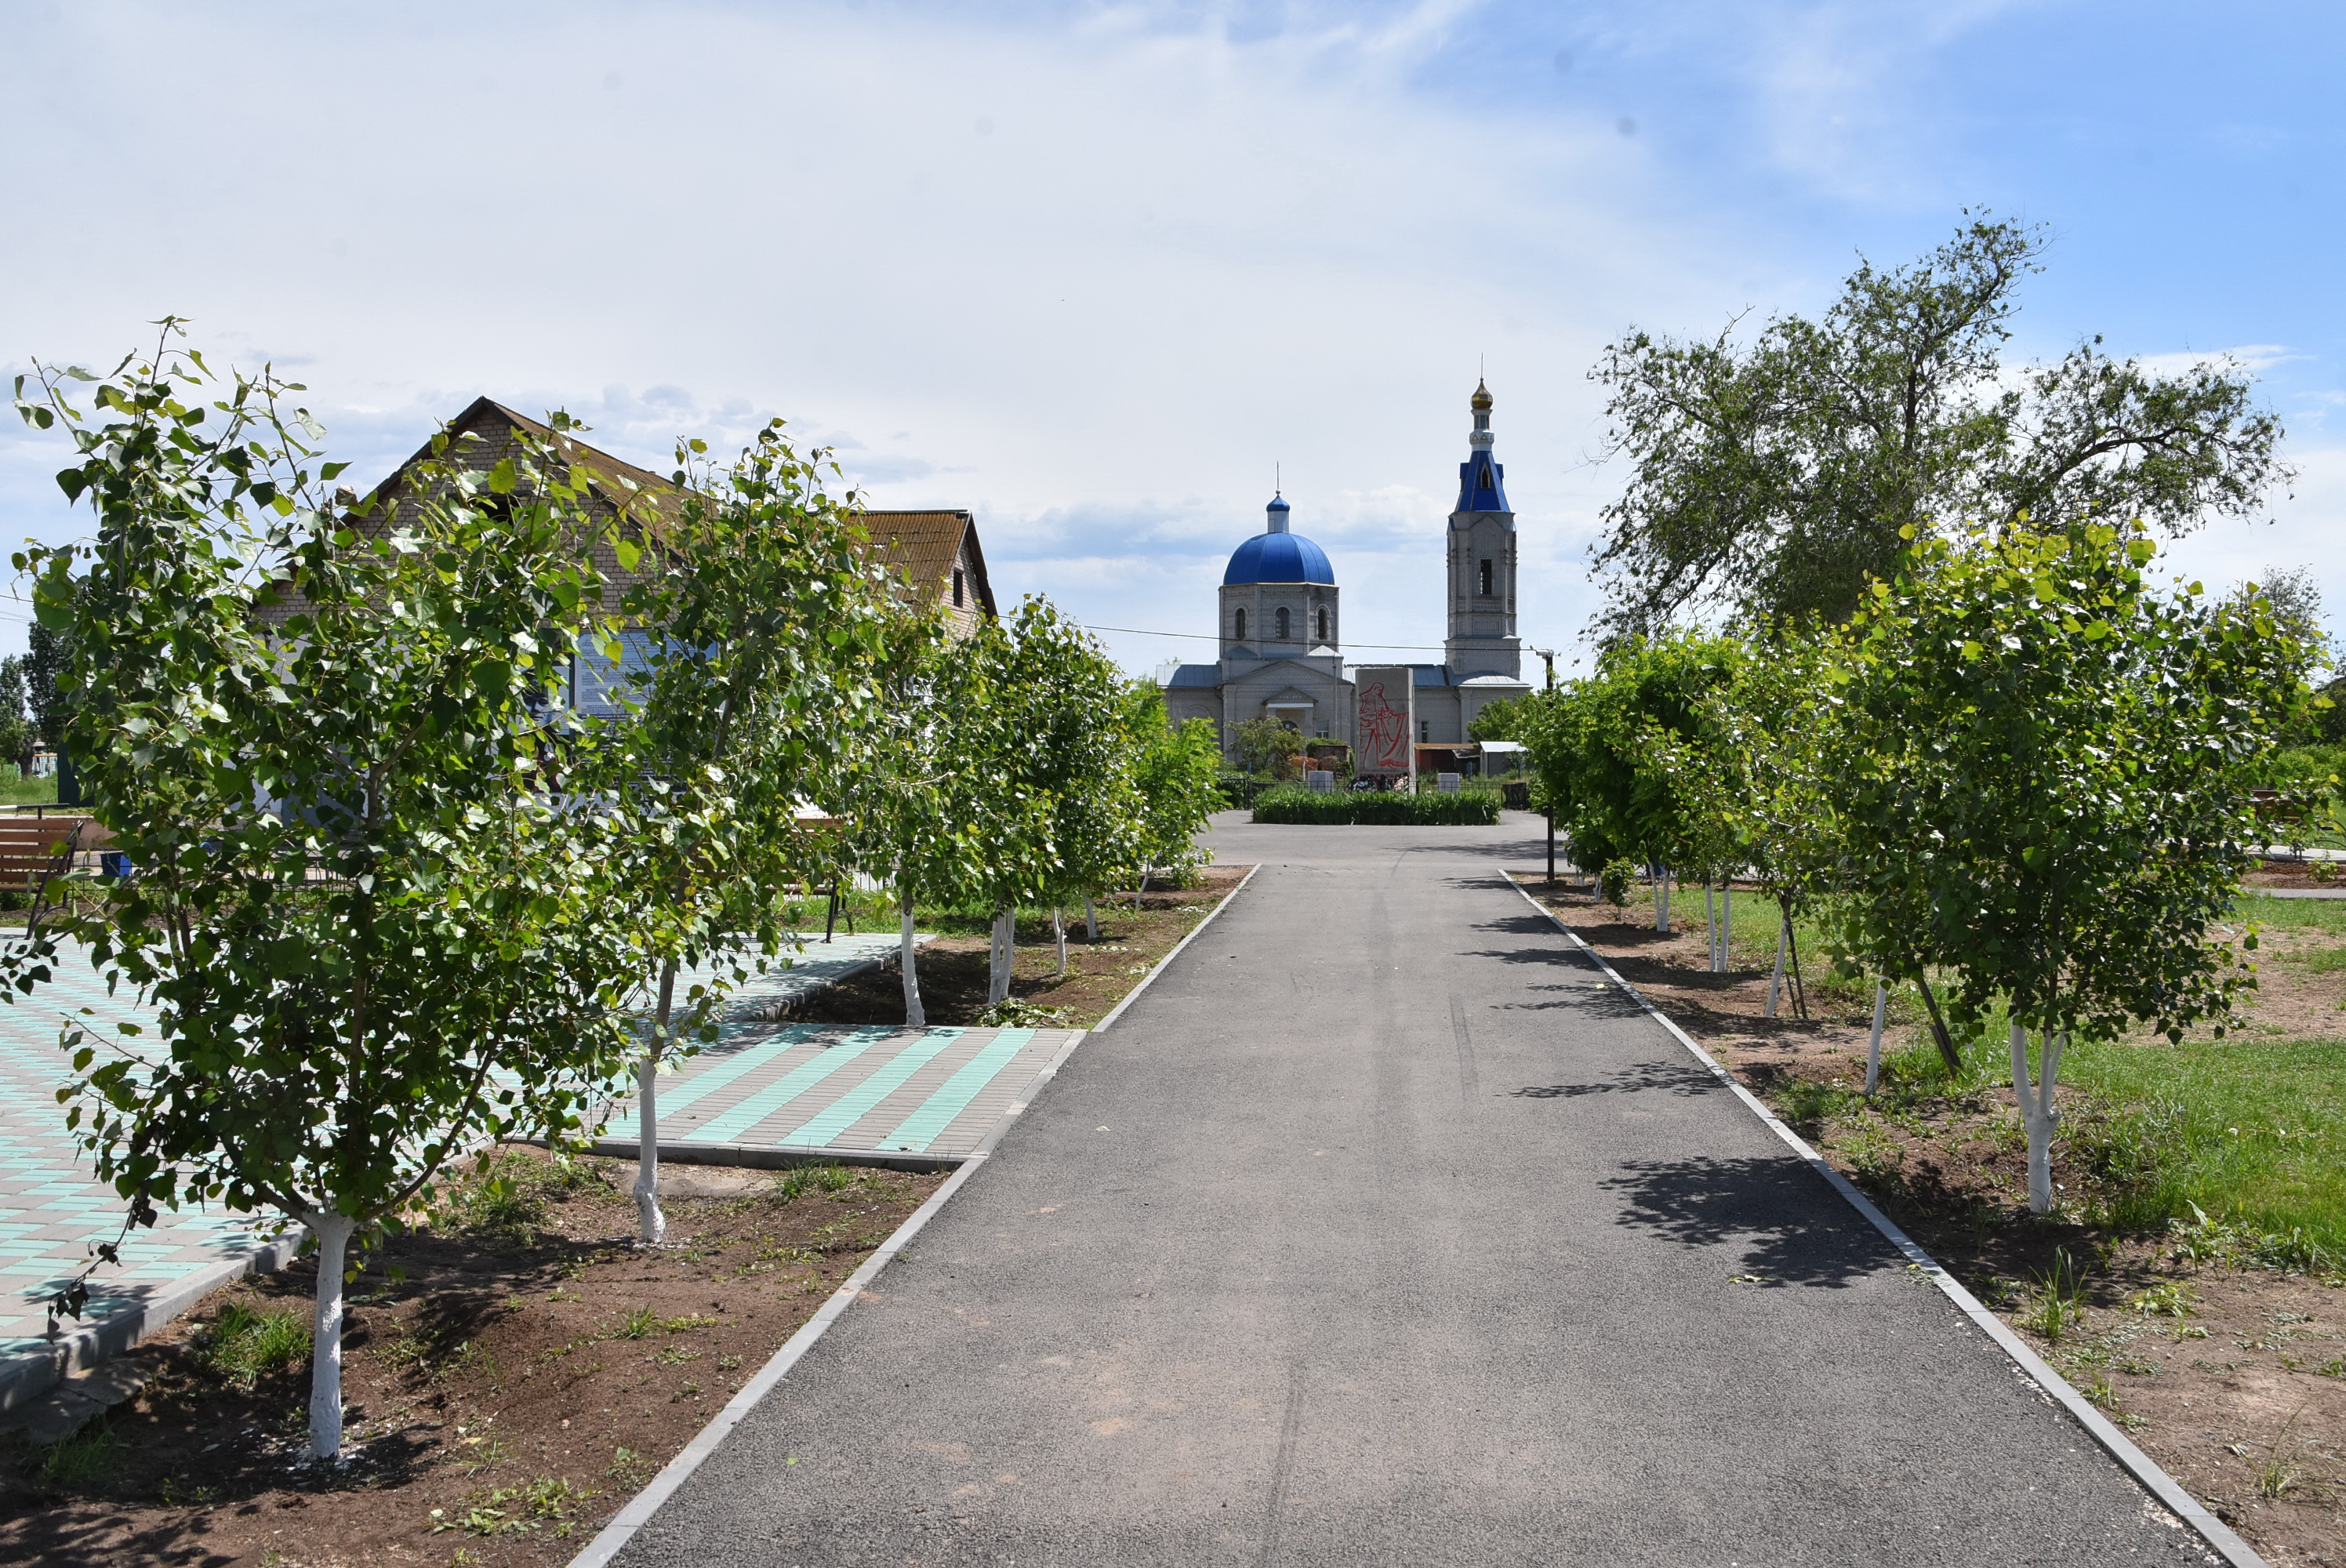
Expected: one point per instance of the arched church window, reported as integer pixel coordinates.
(1486, 579)
(1240, 633)
(1323, 623)
(1283, 623)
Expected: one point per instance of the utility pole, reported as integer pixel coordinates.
(1547, 656)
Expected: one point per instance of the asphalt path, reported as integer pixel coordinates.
(1381, 1231)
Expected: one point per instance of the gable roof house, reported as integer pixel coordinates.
(934, 554)
(937, 554)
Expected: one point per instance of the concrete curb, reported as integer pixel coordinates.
(640, 1507)
(781, 1157)
(26, 1378)
(2033, 1368)
(1195, 932)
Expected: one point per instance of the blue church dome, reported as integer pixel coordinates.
(1278, 558)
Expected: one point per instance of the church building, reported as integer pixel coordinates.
(1282, 646)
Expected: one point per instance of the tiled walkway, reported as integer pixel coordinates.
(51, 1209)
(760, 1094)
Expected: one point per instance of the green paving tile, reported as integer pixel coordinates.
(916, 1131)
(678, 1092)
(848, 1108)
(760, 1103)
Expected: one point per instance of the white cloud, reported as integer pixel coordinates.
(1089, 271)
(1056, 274)
(2302, 529)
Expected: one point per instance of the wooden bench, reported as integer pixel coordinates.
(36, 850)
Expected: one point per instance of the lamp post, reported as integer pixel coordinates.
(1547, 656)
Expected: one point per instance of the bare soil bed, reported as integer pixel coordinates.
(953, 968)
(2324, 874)
(530, 1374)
(2230, 1375)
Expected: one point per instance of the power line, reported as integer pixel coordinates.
(1202, 637)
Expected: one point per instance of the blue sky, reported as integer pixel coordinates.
(1092, 272)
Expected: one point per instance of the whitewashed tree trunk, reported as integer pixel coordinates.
(1874, 1044)
(1059, 936)
(1727, 926)
(651, 1224)
(1004, 951)
(1091, 920)
(1710, 922)
(1662, 902)
(333, 1233)
(907, 960)
(1140, 892)
(1776, 981)
(2037, 1115)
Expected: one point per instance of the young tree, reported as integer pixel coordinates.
(1268, 745)
(1771, 717)
(1176, 770)
(325, 1047)
(17, 734)
(46, 655)
(1058, 725)
(762, 627)
(934, 799)
(1776, 477)
(1500, 720)
(1633, 763)
(2045, 768)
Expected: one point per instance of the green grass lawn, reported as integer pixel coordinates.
(39, 792)
(2251, 1130)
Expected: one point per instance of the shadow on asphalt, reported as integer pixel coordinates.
(1595, 1000)
(1681, 1081)
(1785, 1226)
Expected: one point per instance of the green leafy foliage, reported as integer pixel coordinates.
(1267, 746)
(1502, 719)
(1075, 747)
(763, 625)
(1177, 769)
(1634, 759)
(1774, 474)
(935, 802)
(2045, 771)
(1381, 807)
(319, 730)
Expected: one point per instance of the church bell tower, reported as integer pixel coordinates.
(1481, 639)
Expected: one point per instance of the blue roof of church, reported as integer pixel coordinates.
(1278, 558)
(1482, 485)
(1196, 675)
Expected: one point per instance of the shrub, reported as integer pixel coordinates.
(1467, 808)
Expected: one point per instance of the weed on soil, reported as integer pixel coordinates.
(2188, 1278)
(531, 1371)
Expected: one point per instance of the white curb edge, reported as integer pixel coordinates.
(1195, 932)
(640, 1507)
(2140, 1465)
